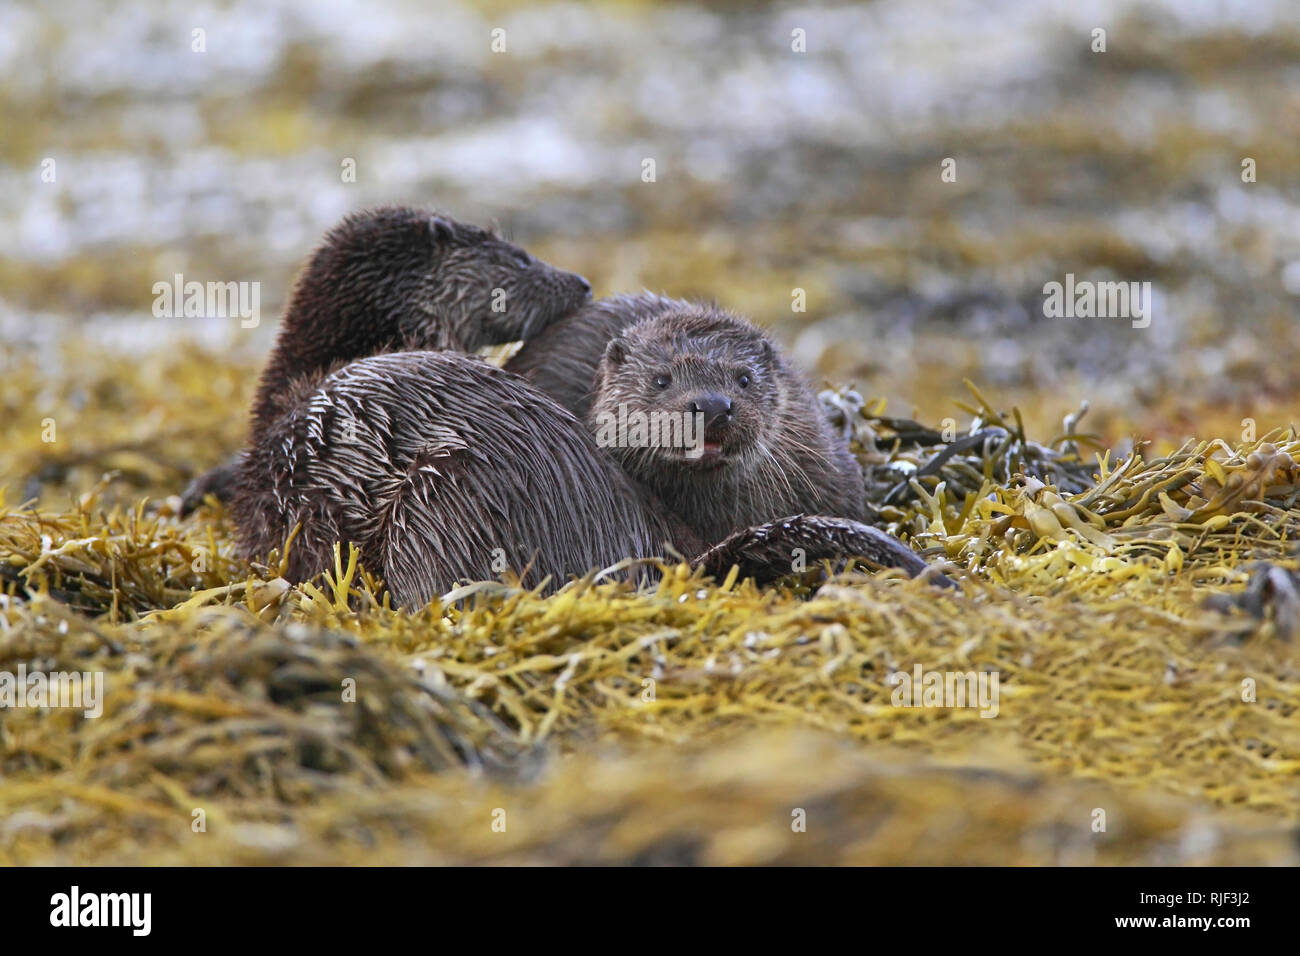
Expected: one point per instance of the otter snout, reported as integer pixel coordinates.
(577, 290)
(716, 408)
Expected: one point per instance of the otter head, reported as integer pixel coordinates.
(685, 393)
(404, 278)
(492, 291)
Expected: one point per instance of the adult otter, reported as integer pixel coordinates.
(404, 279)
(395, 279)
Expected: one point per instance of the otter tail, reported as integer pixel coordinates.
(780, 548)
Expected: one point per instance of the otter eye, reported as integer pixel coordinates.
(663, 381)
(523, 258)
(743, 380)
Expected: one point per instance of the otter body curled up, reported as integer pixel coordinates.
(440, 468)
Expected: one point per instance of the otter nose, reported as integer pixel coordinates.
(715, 408)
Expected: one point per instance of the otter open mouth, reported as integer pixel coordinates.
(710, 454)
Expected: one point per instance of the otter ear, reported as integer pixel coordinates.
(440, 228)
(616, 352)
(768, 352)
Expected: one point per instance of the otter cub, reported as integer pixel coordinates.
(395, 279)
(767, 450)
(564, 360)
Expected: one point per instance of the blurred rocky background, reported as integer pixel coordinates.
(775, 170)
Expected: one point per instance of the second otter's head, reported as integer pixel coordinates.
(405, 278)
(689, 391)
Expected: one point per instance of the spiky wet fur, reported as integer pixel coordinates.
(441, 469)
(782, 457)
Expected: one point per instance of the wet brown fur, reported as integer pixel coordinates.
(402, 279)
(444, 469)
(441, 468)
(394, 279)
(780, 456)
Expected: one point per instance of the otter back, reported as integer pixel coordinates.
(441, 469)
